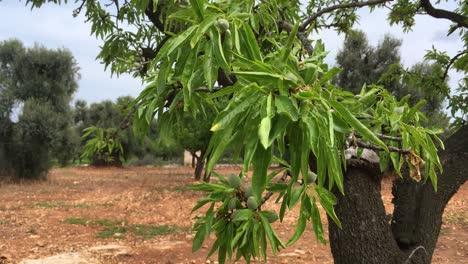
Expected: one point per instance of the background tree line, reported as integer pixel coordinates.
(40, 128)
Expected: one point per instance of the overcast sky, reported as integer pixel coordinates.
(54, 27)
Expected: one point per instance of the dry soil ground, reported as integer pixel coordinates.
(142, 215)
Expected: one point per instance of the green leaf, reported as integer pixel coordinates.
(210, 71)
(329, 75)
(316, 221)
(224, 118)
(175, 42)
(289, 45)
(356, 124)
(202, 28)
(250, 43)
(286, 105)
(199, 238)
(264, 132)
(218, 143)
(300, 227)
(295, 196)
(328, 200)
(269, 233)
(198, 8)
(209, 187)
(242, 215)
(260, 163)
(277, 187)
(335, 169)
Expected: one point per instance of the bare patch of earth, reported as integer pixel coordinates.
(142, 215)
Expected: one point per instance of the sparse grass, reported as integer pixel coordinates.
(108, 222)
(53, 204)
(150, 231)
(116, 228)
(461, 219)
(180, 189)
(4, 222)
(77, 221)
(113, 232)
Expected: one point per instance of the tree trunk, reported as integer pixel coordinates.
(368, 237)
(207, 176)
(365, 236)
(417, 217)
(200, 165)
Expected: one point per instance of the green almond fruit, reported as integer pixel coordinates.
(234, 181)
(248, 192)
(252, 203)
(311, 177)
(222, 24)
(233, 203)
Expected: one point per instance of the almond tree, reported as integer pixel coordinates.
(263, 56)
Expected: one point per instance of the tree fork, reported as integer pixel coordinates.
(367, 236)
(417, 216)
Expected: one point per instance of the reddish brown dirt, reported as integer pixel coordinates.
(32, 218)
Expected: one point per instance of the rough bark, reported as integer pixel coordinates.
(368, 237)
(200, 166)
(365, 236)
(417, 217)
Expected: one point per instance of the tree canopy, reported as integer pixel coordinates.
(39, 84)
(259, 55)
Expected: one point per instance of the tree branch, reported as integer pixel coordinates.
(155, 16)
(311, 18)
(461, 20)
(451, 62)
(300, 35)
(381, 136)
(269, 194)
(367, 145)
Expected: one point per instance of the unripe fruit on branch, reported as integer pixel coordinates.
(311, 177)
(252, 203)
(222, 24)
(233, 203)
(234, 181)
(248, 192)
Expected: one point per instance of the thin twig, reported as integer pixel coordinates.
(382, 136)
(269, 194)
(371, 146)
(451, 62)
(311, 18)
(300, 35)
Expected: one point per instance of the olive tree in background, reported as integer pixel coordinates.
(36, 87)
(263, 56)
